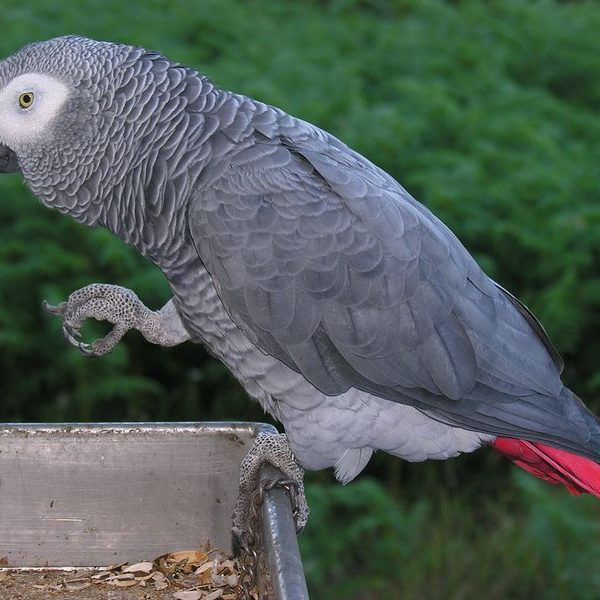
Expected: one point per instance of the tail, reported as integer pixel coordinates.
(576, 473)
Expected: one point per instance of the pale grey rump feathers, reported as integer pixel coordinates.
(321, 259)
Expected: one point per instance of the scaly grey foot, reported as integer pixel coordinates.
(124, 310)
(274, 449)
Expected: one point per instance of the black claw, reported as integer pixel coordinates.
(71, 334)
(87, 350)
(74, 332)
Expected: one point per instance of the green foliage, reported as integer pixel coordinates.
(361, 544)
(485, 111)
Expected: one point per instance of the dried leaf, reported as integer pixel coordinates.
(141, 567)
(102, 575)
(213, 595)
(191, 556)
(5, 576)
(189, 595)
(160, 581)
(205, 577)
(205, 567)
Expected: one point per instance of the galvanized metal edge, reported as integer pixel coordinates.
(98, 428)
(281, 543)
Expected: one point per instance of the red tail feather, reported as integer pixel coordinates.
(576, 473)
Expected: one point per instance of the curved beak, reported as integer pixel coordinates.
(8, 160)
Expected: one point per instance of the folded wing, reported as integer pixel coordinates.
(330, 265)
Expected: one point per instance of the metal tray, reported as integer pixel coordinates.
(90, 495)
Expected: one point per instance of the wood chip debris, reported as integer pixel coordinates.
(187, 575)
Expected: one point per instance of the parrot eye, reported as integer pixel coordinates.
(26, 99)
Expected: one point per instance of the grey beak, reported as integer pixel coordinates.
(8, 160)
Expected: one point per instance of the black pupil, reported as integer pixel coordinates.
(26, 99)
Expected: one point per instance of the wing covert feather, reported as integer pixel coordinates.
(328, 264)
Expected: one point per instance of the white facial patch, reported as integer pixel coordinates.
(20, 125)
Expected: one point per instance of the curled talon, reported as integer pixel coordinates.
(71, 331)
(87, 350)
(71, 335)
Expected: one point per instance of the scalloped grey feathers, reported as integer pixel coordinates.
(330, 265)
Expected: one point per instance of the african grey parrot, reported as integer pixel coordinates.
(345, 307)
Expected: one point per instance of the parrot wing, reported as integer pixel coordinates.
(328, 264)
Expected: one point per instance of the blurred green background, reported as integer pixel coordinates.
(488, 113)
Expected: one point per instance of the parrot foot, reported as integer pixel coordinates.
(102, 302)
(124, 310)
(274, 449)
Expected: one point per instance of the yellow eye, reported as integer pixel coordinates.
(26, 100)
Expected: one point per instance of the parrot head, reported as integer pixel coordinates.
(48, 96)
(57, 114)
